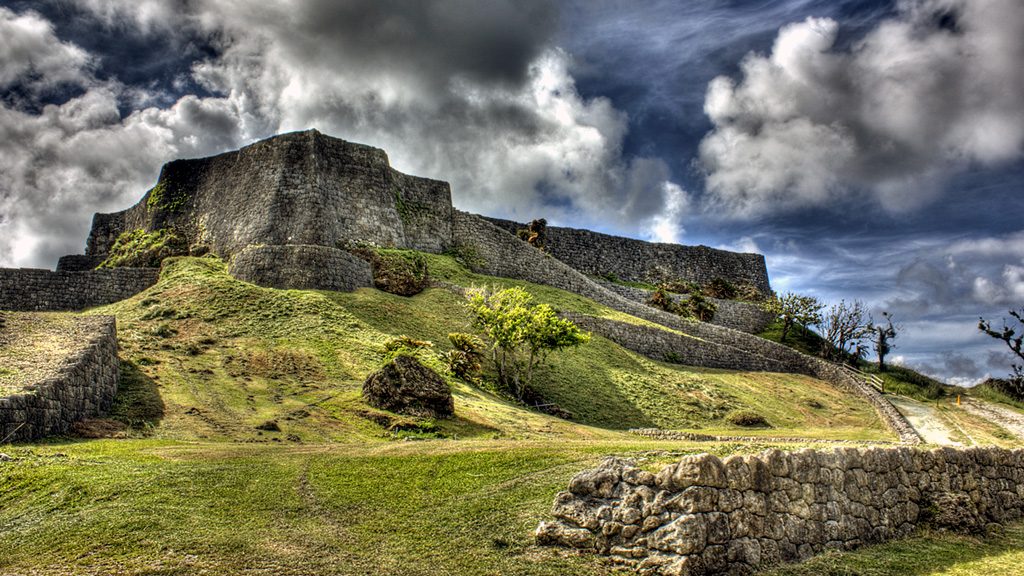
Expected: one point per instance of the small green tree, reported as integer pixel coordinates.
(521, 334)
(794, 309)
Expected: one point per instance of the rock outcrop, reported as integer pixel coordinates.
(406, 386)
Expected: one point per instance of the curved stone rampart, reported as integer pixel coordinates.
(743, 316)
(600, 254)
(301, 267)
(704, 515)
(499, 254)
(83, 387)
(30, 289)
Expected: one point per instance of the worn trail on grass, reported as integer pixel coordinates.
(925, 420)
(1012, 421)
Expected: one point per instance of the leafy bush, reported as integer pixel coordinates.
(720, 288)
(405, 346)
(521, 334)
(141, 249)
(699, 307)
(747, 419)
(660, 298)
(401, 272)
(465, 360)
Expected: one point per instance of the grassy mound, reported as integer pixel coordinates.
(229, 356)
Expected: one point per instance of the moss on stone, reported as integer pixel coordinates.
(141, 249)
(166, 197)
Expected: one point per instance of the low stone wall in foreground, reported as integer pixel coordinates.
(704, 515)
(83, 387)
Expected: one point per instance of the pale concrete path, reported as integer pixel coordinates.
(925, 420)
(1011, 420)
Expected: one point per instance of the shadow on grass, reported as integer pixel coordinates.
(138, 403)
(928, 552)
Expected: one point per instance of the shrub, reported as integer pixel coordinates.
(464, 360)
(141, 249)
(747, 419)
(720, 288)
(660, 298)
(521, 334)
(405, 346)
(400, 272)
(699, 307)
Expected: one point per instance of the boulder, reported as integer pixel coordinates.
(406, 386)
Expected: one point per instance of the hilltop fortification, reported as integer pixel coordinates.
(284, 211)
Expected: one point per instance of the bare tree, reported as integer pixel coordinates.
(882, 335)
(842, 329)
(1013, 336)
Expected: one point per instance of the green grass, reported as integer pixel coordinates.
(926, 553)
(988, 392)
(194, 486)
(907, 382)
(204, 340)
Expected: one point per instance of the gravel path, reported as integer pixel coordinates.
(925, 421)
(1011, 420)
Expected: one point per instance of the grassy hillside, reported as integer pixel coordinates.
(225, 356)
(194, 485)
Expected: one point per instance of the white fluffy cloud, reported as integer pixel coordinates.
(452, 89)
(32, 55)
(927, 93)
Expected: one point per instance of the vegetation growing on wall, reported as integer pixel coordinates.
(141, 249)
(169, 198)
(402, 272)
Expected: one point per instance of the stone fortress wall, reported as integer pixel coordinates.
(29, 289)
(704, 515)
(298, 190)
(599, 254)
(84, 387)
(497, 253)
(746, 317)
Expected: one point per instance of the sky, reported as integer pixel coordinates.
(871, 149)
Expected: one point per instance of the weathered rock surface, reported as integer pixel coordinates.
(406, 386)
(704, 515)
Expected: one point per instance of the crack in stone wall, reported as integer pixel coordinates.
(705, 515)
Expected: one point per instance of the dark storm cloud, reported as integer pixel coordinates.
(476, 93)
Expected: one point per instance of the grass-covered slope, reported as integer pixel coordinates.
(197, 488)
(224, 357)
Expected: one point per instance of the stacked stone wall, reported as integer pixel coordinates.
(84, 387)
(746, 317)
(301, 267)
(493, 251)
(704, 515)
(599, 254)
(302, 188)
(29, 289)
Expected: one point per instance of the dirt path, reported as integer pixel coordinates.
(925, 420)
(1012, 421)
